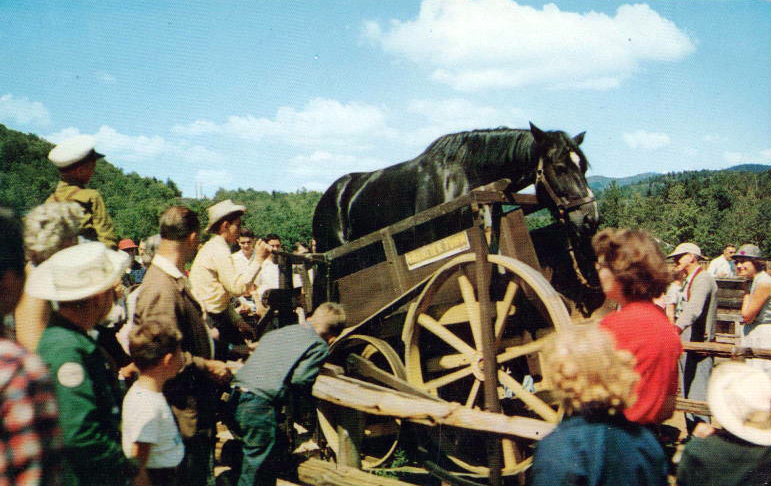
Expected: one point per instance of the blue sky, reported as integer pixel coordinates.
(283, 95)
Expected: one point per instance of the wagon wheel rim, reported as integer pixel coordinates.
(463, 363)
(379, 353)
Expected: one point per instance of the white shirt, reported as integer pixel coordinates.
(147, 418)
(240, 262)
(720, 267)
(267, 278)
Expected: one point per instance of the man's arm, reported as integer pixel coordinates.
(754, 302)
(307, 369)
(235, 282)
(694, 306)
(103, 222)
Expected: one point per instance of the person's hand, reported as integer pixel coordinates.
(262, 250)
(219, 371)
(128, 371)
(703, 430)
(246, 330)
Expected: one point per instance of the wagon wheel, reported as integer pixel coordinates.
(373, 360)
(443, 354)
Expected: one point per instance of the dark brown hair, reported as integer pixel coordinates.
(635, 260)
(178, 222)
(151, 341)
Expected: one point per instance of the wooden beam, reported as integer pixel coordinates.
(692, 406)
(726, 350)
(377, 400)
(323, 473)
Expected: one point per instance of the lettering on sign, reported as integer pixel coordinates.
(438, 250)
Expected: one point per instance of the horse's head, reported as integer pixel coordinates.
(560, 181)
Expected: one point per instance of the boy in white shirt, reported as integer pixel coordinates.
(150, 433)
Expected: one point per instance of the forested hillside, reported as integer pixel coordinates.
(707, 207)
(710, 208)
(134, 201)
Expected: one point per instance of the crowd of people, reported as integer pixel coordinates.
(118, 353)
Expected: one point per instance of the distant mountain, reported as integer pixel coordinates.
(598, 183)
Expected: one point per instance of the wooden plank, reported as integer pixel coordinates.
(493, 189)
(726, 350)
(397, 265)
(322, 473)
(377, 400)
(515, 239)
(692, 406)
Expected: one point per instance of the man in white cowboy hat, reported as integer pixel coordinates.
(695, 320)
(739, 454)
(214, 277)
(76, 160)
(82, 280)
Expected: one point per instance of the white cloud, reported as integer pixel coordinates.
(480, 44)
(214, 178)
(120, 147)
(457, 114)
(23, 111)
(105, 77)
(647, 141)
(321, 122)
(759, 157)
(319, 169)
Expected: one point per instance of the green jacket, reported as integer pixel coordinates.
(89, 406)
(97, 224)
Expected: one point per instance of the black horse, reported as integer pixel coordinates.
(363, 202)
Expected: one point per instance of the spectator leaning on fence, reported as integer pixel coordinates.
(739, 454)
(695, 320)
(756, 305)
(595, 444)
(632, 273)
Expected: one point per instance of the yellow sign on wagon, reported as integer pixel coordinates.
(438, 250)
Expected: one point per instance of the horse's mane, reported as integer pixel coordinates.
(491, 145)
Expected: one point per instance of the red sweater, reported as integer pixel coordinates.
(643, 329)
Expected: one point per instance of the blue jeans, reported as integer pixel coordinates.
(257, 420)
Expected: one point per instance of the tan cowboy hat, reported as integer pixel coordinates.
(739, 397)
(77, 272)
(73, 150)
(222, 209)
(684, 248)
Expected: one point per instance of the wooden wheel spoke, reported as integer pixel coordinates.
(509, 454)
(521, 350)
(448, 378)
(503, 308)
(472, 308)
(472, 395)
(430, 324)
(539, 406)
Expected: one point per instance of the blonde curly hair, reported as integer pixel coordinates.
(589, 373)
(51, 227)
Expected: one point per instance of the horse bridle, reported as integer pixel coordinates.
(564, 206)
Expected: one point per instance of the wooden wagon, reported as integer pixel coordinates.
(424, 319)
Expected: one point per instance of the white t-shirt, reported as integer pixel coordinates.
(148, 418)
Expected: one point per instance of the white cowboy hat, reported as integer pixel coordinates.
(222, 209)
(73, 150)
(739, 397)
(684, 248)
(77, 272)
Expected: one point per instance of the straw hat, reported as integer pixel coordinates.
(739, 397)
(77, 272)
(222, 209)
(73, 150)
(684, 248)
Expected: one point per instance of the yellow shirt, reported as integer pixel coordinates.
(97, 222)
(214, 278)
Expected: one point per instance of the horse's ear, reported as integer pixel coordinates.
(538, 134)
(579, 138)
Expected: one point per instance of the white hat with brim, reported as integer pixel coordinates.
(77, 272)
(221, 210)
(739, 397)
(748, 251)
(684, 248)
(73, 150)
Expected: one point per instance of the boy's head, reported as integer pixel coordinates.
(76, 159)
(328, 321)
(155, 343)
